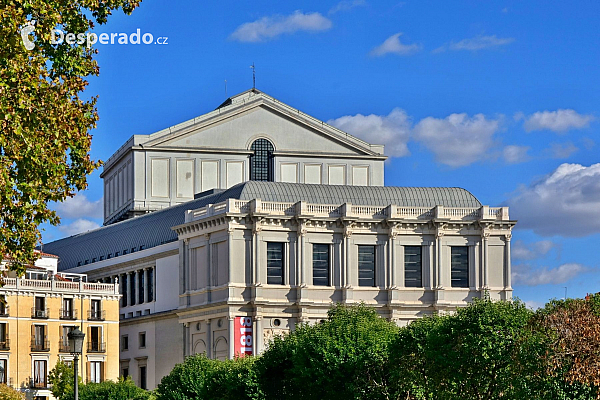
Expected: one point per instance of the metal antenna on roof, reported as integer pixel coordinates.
(225, 87)
(253, 76)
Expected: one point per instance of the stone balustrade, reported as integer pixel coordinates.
(348, 211)
(60, 286)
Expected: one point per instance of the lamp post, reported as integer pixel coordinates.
(76, 347)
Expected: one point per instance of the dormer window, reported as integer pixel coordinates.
(261, 162)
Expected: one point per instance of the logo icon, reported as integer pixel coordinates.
(25, 32)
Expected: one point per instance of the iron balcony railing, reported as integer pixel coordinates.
(63, 346)
(68, 314)
(38, 383)
(4, 344)
(96, 347)
(40, 313)
(39, 344)
(96, 315)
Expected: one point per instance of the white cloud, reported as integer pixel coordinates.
(562, 150)
(78, 226)
(270, 27)
(533, 305)
(477, 43)
(530, 251)
(566, 202)
(80, 207)
(391, 130)
(559, 121)
(394, 46)
(515, 154)
(346, 5)
(458, 139)
(524, 275)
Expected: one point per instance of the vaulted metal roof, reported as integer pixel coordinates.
(154, 229)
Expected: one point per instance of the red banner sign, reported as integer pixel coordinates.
(243, 336)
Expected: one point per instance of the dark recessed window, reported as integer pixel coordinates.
(275, 263)
(116, 254)
(109, 256)
(261, 162)
(321, 264)
(366, 266)
(459, 266)
(124, 251)
(412, 266)
(101, 258)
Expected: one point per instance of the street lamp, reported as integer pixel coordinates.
(76, 348)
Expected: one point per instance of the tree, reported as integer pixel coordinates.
(200, 378)
(8, 393)
(61, 379)
(44, 123)
(483, 351)
(574, 328)
(344, 357)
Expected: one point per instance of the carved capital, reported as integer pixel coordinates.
(347, 233)
(302, 230)
(507, 237)
(439, 234)
(485, 235)
(393, 233)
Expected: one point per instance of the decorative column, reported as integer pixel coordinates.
(393, 284)
(508, 267)
(231, 340)
(256, 247)
(439, 260)
(302, 236)
(258, 334)
(209, 343)
(485, 238)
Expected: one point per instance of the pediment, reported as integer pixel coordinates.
(236, 125)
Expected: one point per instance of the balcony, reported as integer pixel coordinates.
(96, 315)
(4, 310)
(4, 344)
(68, 314)
(40, 313)
(63, 346)
(39, 344)
(38, 384)
(96, 347)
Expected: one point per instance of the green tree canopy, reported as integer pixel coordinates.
(44, 121)
(200, 378)
(344, 357)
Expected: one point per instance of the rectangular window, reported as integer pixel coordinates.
(3, 371)
(140, 286)
(125, 373)
(96, 310)
(124, 290)
(151, 284)
(459, 266)
(142, 340)
(4, 342)
(67, 309)
(124, 342)
(321, 264)
(95, 344)
(275, 263)
(64, 339)
(39, 373)
(413, 267)
(132, 288)
(39, 338)
(96, 371)
(143, 377)
(366, 266)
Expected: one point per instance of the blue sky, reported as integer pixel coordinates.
(499, 97)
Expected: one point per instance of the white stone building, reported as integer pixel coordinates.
(292, 217)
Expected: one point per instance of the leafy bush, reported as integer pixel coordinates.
(8, 393)
(200, 378)
(344, 357)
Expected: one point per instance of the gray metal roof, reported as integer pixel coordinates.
(154, 229)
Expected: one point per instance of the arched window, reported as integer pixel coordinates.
(261, 162)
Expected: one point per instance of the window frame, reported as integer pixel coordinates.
(262, 153)
(463, 270)
(418, 270)
(326, 260)
(374, 263)
(281, 268)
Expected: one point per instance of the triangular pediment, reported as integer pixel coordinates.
(253, 114)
